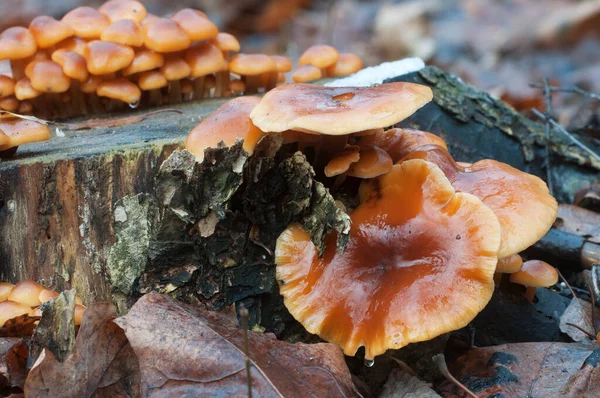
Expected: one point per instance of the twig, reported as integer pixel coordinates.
(573, 89)
(574, 296)
(244, 315)
(560, 129)
(441, 363)
(581, 330)
(593, 309)
(548, 115)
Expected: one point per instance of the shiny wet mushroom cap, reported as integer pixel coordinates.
(521, 201)
(27, 292)
(5, 287)
(195, 24)
(11, 309)
(306, 74)
(320, 55)
(229, 123)
(164, 35)
(346, 64)
(340, 163)
(120, 89)
(87, 23)
(338, 110)
(373, 162)
(124, 31)
(21, 131)
(410, 271)
(116, 10)
(104, 57)
(17, 43)
(48, 32)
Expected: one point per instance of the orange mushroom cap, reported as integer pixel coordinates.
(319, 55)
(91, 84)
(144, 60)
(24, 90)
(399, 143)
(226, 42)
(120, 89)
(117, 10)
(5, 290)
(17, 43)
(27, 292)
(409, 272)
(341, 162)
(251, 64)
(373, 162)
(521, 201)
(346, 64)
(47, 31)
(78, 315)
(73, 64)
(282, 64)
(124, 31)
(21, 131)
(535, 273)
(338, 110)
(87, 23)
(306, 73)
(229, 123)
(10, 104)
(75, 44)
(152, 80)
(104, 57)
(510, 264)
(175, 68)
(7, 86)
(11, 309)
(164, 35)
(195, 24)
(47, 295)
(47, 77)
(204, 58)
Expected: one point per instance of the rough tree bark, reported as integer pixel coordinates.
(101, 210)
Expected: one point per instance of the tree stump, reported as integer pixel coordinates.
(115, 212)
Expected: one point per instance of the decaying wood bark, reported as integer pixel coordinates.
(103, 210)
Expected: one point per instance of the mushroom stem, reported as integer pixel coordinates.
(155, 97)
(199, 87)
(77, 100)
(17, 67)
(252, 83)
(174, 91)
(8, 153)
(221, 83)
(530, 293)
(273, 77)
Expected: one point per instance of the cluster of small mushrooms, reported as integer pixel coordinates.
(428, 234)
(25, 298)
(119, 55)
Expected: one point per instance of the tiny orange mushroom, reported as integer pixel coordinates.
(399, 143)
(340, 163)
(5, 290)
(507, 265)
(373, 162)
(409, 273)
(534, 274)
(229, 123)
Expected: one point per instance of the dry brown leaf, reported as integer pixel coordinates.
(403, 385)
(101, 364)
(586, 382)
(579, 221)
(579, 313)
(517, 370)
(185, 351)
(20, 326)
(13, 362)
